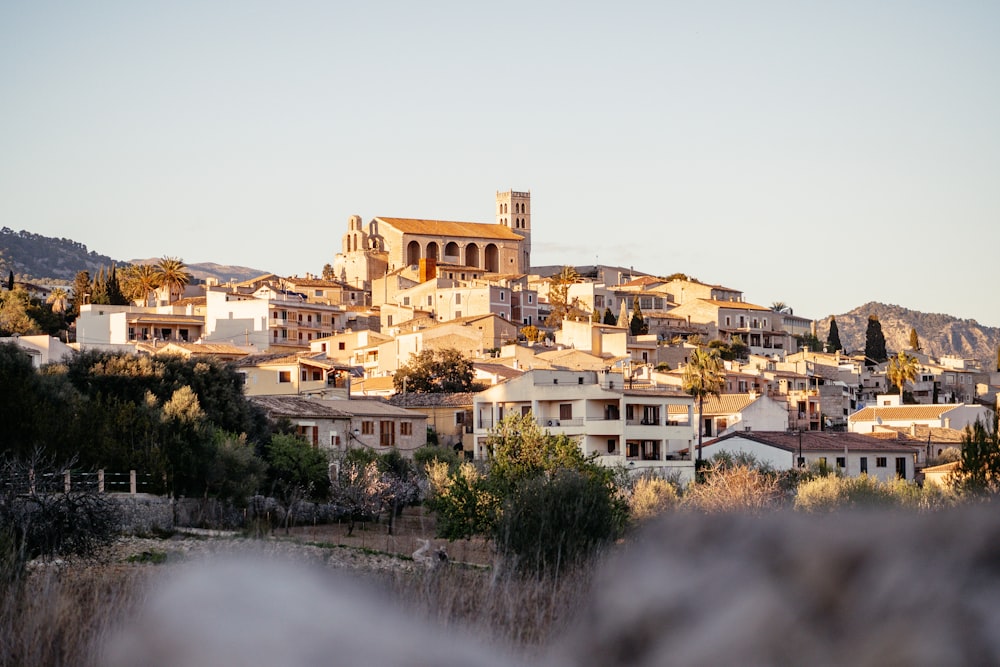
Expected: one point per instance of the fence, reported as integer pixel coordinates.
(101, 481)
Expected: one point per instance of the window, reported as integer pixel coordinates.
(318, 292)
(880, 462)
(317, 376)
(565, 411)
(387, 433)
(430, 299)
(335, 440)
(406, 301)
(728, 322)
(864, 464)
(303, 376)
(341, 345)
(531, 299)
(367, 427)
(901, 467)
(458, 299)
(503, 296)
(459, 417)
(525, 410)
(406, 428)
(841, 462)
(284, 376)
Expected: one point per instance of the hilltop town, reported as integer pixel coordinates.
(598, 353)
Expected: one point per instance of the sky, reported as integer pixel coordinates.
(821, 154)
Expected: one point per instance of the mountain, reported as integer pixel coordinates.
(36, 258)
(32, 256)
(940, 335)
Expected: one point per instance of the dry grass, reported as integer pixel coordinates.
(60, 613)
(56, 614)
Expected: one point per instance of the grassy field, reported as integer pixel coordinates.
(60, 612)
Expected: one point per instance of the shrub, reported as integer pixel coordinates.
(736, 488)
(830, 493)
(551, 523)
(651, 495)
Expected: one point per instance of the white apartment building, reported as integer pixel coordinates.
(637, 428)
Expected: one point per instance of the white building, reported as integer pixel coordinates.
(888, 412)
(640, 428)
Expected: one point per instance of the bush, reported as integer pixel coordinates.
(551, 523)
(651, 495)
(831, 493)
(734, 488)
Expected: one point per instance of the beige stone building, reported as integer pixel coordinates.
(369, 251)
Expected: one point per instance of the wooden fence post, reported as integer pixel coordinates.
(131, 482)
(100, 481)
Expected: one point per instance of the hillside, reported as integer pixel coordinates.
(32, 256)
(37, 258)
(940, 335)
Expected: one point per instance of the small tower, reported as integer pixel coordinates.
(514, 211)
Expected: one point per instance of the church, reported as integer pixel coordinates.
(385, 245)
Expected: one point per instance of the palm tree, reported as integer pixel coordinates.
(703, 376)
(902, 369)
(780, 307)
(172, 274)
(139, 281)
(59, 299)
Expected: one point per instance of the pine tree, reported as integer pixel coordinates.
(10, 281)
(114, 289)
(99, 289)
(875, 341)
(81, 291)
(833, 338)
(637, 325)
(914, 340)
(609, 317)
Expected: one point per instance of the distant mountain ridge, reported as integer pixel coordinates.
(33, 257)
(940, 335)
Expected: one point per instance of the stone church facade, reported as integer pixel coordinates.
(369, 251)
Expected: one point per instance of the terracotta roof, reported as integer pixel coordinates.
(819, 441)
(951, 466)
(738, 305)
(921, 432)
(724, 404)
(458, 399)
(208, 348)
(153, 318)
(501, 370)
(457, 229)
(302, 407)
(902, 412)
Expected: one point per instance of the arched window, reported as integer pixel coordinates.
(451, 252)
(432, 250)
(412, 252)
(492, 254)
(472, 255)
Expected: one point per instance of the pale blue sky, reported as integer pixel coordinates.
(821, 154)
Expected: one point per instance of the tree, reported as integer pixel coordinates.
(637, 325)
(914, 340)
(358, 491)
(559, 302)
(531, 333)
(297, 469)
(139, 281)
(328, 272)
(446, 370)
(172, 274)
(978, 472)
(10, 281)
(833, 338)
(902, 369)
(114, 289)
(14, 315)
(543, 503)
(609, 317)
(875, 341)
(780, 307)
(59, 300)
(99, 289)
(703, 377)
(81, 293)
